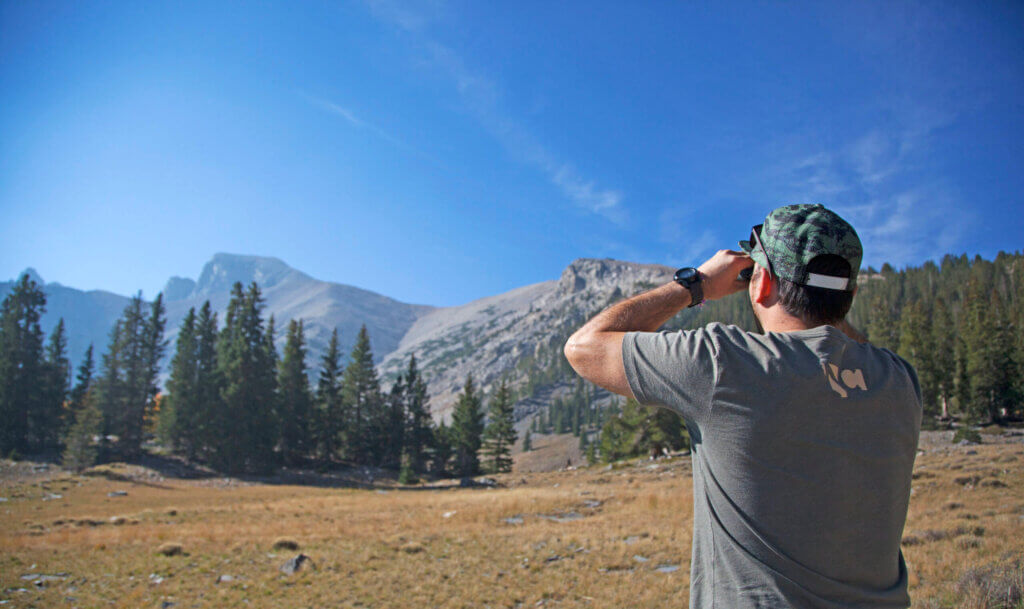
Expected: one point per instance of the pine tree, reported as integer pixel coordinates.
(209, 383)
(394, 421)
(883, 328)
(500, 434)
(662, 430)
(53, 418)
(361, 394)
(179, 415)
(1017, 280)
(329, 406)
(916, 347)
(962, 392)
(467, 430)
(81, 447)
(576, 418)
(943, 340)
(527, 442)
(154, 345)
(273, 396)
(418, 433)
(245, 430)
(22, 370)
(441, 448)
(406, 475)
(109, 393)
(989, 351)
(128, 388)
(591, 453)
(560, 414)
(270, 345)
(1004, 395)
(294, 402)
(83, 383)
(617, 435)
(269, 342)
(639, 430)
(124, 416)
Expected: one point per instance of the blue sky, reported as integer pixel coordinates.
(438, 152)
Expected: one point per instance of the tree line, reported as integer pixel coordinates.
(960, 323)
(232, 401)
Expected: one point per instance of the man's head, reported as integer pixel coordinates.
(807, 260)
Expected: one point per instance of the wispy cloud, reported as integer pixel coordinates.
(401, 15)
(356, 122)
(677, 232)
(343, 112)
(361, 124)
(880, 181)
(481, 96)
(587, 195)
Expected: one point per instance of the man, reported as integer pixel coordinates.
(804, 437)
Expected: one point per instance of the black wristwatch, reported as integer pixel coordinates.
(691, 279)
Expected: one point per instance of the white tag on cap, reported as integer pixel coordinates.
(827, 281)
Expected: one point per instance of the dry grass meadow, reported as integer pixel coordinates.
(590, 537)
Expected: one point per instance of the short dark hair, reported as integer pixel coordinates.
(819, 306)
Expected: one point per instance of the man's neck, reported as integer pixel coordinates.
(783, 322)
(780, 321)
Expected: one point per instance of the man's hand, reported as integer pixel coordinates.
(595, 350)
(721, 273)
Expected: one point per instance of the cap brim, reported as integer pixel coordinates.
(755, 254)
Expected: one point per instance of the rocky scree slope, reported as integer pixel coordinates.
(517, 335)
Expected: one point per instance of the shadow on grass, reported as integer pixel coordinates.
(151, 468)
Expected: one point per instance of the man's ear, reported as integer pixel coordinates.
(764, 286)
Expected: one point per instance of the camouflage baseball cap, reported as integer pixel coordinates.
(793, 235)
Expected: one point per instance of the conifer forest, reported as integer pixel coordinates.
(236, 404)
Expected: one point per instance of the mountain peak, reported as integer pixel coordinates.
(178, 288)
(224, 270)
(33, 275)
(590, 271)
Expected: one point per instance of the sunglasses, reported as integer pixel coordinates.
(755, 239)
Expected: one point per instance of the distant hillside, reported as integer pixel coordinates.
(292, 294)
(88, 316)
(289, 294)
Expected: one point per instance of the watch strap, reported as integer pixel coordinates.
(691, 279)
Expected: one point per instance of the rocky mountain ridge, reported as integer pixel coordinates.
(516, 335)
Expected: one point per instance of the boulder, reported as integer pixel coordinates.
(296, 564)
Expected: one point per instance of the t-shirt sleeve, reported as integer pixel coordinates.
(672, 369)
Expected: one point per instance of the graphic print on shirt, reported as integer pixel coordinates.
(852, 379)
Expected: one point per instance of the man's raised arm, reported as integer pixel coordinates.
(595, 350)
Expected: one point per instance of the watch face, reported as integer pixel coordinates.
(686, 274)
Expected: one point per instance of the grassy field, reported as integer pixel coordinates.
(593, 537)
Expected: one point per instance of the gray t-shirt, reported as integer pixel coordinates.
(803, 446)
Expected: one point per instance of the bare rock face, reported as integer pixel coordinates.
(494, 337)
(593, 272)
